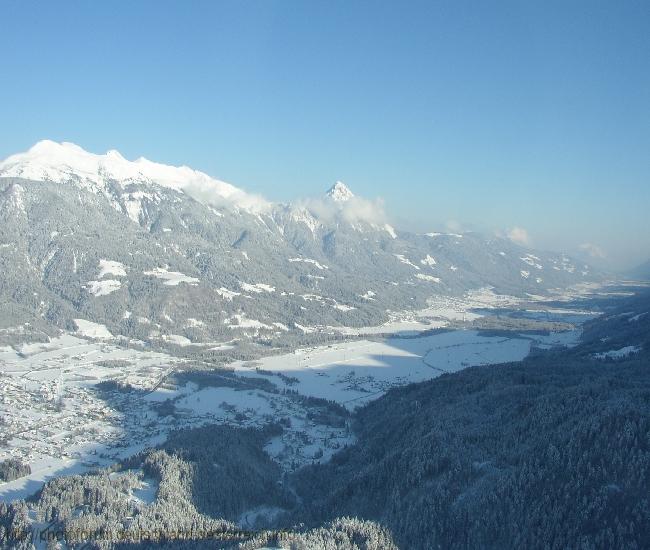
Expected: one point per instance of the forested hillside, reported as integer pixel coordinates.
(553, 452)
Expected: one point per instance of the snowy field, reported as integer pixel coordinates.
(618, 353)
(56, 421)
(352, 373)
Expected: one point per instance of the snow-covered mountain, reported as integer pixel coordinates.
(171, 256)
(69, 163)
(340, 192)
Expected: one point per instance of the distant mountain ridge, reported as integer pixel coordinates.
(641, 272)
(171, 256)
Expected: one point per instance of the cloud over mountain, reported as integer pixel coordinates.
(339, 203)
(519, 235)
(60, 162)
(594, 251)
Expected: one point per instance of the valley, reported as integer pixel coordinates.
(180, 356)
(75, 403)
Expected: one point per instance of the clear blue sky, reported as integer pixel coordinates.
(492, 114)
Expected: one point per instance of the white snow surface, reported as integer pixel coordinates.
(429, 278)
(257, 288)
(405, 260)
(532, 261)
(309, 261)
(240, 320)
(103, 288)
(177, 339)
(63, 162)
(171, 278)
(227, 294)
(88, 432)
(111, 267)
(340, 192)
(343, 307)
(618, 353)
(56, 422)
(92, 330)
(456, 235)
(352, 373)
(429, 260)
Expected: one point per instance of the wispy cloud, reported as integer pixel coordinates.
(454, 226)
(593, 250)
(519, 235)
(355, 209)
(207, 192)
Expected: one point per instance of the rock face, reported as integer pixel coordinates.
(149, 251)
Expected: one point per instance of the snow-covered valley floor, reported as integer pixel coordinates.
(57, 421)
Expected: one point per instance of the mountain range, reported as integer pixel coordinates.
(170, 256)
(641, 272)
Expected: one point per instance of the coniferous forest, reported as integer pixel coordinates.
(552, 452)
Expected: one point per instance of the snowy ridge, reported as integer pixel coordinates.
(183, 255)
(67, 162)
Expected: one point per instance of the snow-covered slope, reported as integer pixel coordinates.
(158, 253)
(340, 192)
(67, 162)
